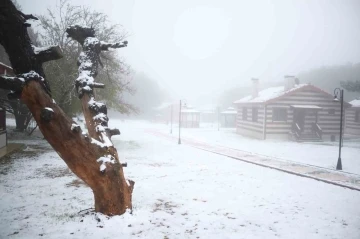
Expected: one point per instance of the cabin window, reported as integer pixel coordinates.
(244, 114)
(357, 116)
(279, 114)
(331, 111)
(254, 114)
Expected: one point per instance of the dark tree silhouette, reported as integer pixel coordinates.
(92, 156)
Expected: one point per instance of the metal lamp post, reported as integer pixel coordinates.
(338, 91)
(179, 142)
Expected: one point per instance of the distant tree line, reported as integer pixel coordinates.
(147, 96)
(331, 77)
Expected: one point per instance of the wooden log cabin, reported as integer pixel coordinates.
(4, 70)
(228, 118)
(208, 114)
(190, 117)
(352, 119)
(295, 111)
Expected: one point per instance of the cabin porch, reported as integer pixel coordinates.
(305, 125)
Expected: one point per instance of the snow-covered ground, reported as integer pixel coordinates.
(323, 154)
(180, 192)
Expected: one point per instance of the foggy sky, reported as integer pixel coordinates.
(200, 47)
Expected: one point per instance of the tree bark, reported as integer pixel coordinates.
(91, 158)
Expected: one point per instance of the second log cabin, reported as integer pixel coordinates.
(301, 112)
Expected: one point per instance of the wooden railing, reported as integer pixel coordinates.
(296, 130)
(317, 130)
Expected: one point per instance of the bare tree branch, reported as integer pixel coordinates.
(44, 54)
(11, 83)
(28, 16)
(105, 46)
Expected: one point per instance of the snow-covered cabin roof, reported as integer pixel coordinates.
(5, 69)
(230, 110)
(5, 66)
(268, 94)
(208, 109)
(274, 93)
(355, 103)
(189, 111)
(164, 105)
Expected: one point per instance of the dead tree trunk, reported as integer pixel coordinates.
(92, 157)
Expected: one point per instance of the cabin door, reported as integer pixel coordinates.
(299, 118)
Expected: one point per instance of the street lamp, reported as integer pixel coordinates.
(340, 92)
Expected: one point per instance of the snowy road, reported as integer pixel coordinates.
(180, 192)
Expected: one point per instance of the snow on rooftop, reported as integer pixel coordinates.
(208, 111)
(163, 105)
(211, 108)
(2, 64)
(268, 94)
(306, 106)
(187, 108)
(189, 111)
(229, 110)
(355, 103)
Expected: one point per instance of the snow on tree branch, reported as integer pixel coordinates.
(75, 127)
(104, 160)
(11, 83)
(105, 46)
(112, 194)
(48, 53)
(17, 83)
(28, 16)
(80, 33)
(95, 112)
(47, 114)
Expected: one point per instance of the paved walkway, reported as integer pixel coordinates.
(339, 178)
